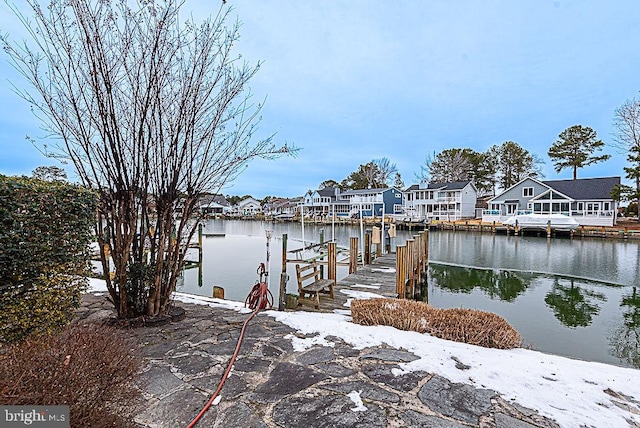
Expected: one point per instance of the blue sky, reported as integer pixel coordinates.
(349, 81)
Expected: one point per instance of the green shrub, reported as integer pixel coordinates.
(45, 230)
(93, 369)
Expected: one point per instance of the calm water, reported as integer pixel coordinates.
(577, 298)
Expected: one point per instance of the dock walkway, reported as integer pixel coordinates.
(379, 277)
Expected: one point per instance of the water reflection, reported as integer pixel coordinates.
(557, 314)
(625, 340)
(496, 284)
(572, 305)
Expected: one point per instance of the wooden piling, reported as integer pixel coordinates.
(401, 271)
(377, 239)
(411, 250)
(367, 248)
(283, 275)
(218, 292)
(321, 248)
(200, 243)
(353, 254)
(332, 256)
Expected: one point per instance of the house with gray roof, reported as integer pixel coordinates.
(587, 200)
(369, 202)
(214, 204)
(441, 201)
(320, 202)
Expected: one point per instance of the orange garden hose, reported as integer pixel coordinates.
(258, 299)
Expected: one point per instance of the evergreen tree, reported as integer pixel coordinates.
(574, 149)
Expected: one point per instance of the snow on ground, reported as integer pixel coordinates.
(355, 294)
(384, 270)
(567, 390)
(373, 287)
(355, 397)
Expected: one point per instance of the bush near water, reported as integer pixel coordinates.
(45, 230)
(461, 325)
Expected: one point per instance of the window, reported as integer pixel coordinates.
(527, 192)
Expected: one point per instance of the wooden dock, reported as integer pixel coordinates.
(379, 277)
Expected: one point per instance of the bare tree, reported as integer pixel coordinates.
(626, 123)
(386, 171)
(152, 111)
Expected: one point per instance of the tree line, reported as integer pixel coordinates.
(501, 166)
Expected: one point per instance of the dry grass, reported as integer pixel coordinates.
(461, 325)
(93, 369)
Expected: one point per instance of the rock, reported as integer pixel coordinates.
(238, 415)
(394, 355)
(383, 374)
(322, 354)
(326, 412)
(415, 419)
(367, 391)
(456, 400)
(286, 379)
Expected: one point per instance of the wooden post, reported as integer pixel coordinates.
(626, 232)
(283, 275)
(419, 257)
(378, 239)
(582, 231)
(367, 248)
(508, 229)
(353, 254)
(516, 229)
(548, 228)
(321, 248)
(401, 271)
(493, 227)
(218, 292)
(332, 261)
(200, 243)
(426, 248)
(411, 248)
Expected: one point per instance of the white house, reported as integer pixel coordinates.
(441, 201)
(248, 206)
(214, 204)
(319, 202)
(587, 200)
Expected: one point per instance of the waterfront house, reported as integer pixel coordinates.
(441, 201)
(214, 204)
(320, 202)
(248, 207)
(284, 207)
(369, 202)
(587, 200)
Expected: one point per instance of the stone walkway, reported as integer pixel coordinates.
(272, 385)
